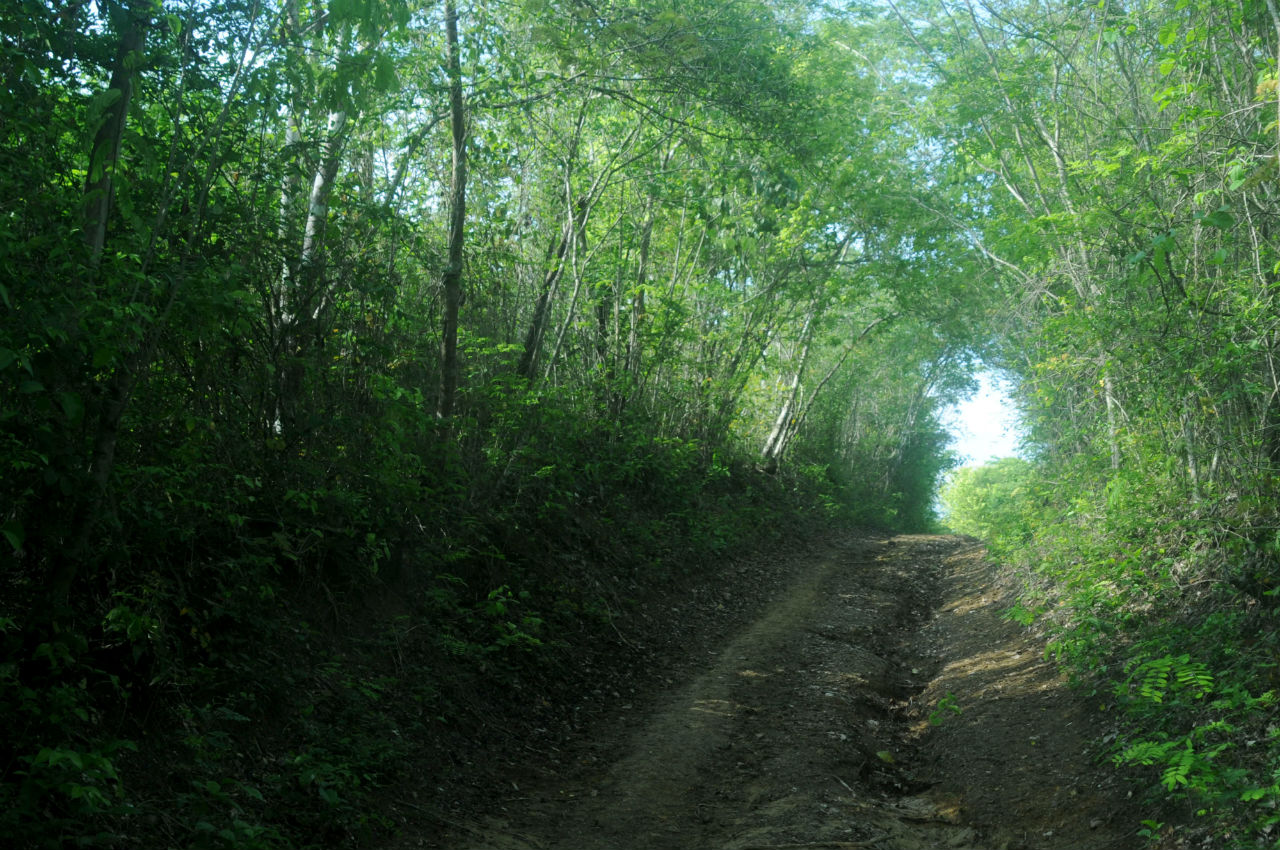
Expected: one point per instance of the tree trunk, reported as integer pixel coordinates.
(554, 270)
(104, 155)
(290, 184)
(318, 211)
(782, 430)
(452, 278)
(634, 348)
(580, 244)
(799, 418)
(1113, 428)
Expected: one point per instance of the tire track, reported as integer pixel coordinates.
(810, 728)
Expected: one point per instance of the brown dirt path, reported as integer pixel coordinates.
(811, 729)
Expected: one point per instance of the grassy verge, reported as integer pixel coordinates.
(1164, 604)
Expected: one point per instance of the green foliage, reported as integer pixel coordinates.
(946, 707)
(1138, 263)
(1023, 615)
(1152, 678)
(62, 771)
(253, 582)
(989, 502)
(1154, 610)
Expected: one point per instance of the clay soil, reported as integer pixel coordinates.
(877, 698)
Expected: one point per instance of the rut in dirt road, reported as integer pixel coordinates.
(812, 729)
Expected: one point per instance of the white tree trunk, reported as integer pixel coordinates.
(782, 430)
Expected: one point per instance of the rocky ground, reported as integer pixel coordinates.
(879, 699)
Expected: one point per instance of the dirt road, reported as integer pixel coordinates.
(881, 702)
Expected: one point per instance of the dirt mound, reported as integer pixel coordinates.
(882, 701)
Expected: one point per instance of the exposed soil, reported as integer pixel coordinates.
(826, 722)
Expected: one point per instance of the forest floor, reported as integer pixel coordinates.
(877, 698)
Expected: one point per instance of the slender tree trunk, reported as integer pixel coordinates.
(789, 418)
(579, 245)
(634, 347)
(290, 183)
(307, 294)
(1275, 21)
(572, 237)
(104, 155)
(318, 211)
(551, 278)
(91, 507)
(452, 279)
(776, 443)
(284, 307)
(771, 454)
(104, 158)
(799, 419)
(1113, 427)
(733, 376)
(410, 151)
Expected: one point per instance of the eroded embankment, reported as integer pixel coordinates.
(812, 728)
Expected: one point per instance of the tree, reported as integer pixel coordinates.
(268, 350)
(987, 501)
(452, 279)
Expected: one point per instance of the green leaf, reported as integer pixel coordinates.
(384, 73)
(53, 758)
(14, 533)
(98, 105)
(1168, 33)
(1237, 175)
(7, 357)
(71, 406)
(1220, 219)
(102, 357)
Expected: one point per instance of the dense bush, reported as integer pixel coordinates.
(990, 502)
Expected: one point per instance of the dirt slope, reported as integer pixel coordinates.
(811, 729)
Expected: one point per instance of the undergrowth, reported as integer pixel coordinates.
(1170, 617)
(311, 651)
